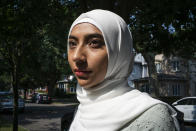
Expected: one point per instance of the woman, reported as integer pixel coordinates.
(100, 55)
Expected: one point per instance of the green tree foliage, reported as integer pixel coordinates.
(5, 78)
(33, 43)
(164, 27)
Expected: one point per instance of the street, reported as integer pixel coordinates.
(42, 117)
(47, 117)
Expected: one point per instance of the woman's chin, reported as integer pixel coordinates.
(87, 86)
(89, 83)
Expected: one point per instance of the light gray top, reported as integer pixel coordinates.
(157, 118)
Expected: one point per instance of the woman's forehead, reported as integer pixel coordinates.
(85, 28)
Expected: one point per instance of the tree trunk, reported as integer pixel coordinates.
(188, 91)
(51, 86)
(25, 93)
(15, 91)
(153, 77)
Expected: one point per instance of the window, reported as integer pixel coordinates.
(176, 89)
(72, 90)
(189, 101)
(175, 66)
(183, 102)
(158, 67)
(61, 85)
(193, 101)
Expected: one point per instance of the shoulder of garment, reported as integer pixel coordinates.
(157, 118)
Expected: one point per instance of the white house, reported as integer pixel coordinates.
(140, 69)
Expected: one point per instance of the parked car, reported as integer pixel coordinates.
(187, 105)
(180, 118)
(41, 98)
(7, 102)
(33, 97)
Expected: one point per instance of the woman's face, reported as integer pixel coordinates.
(87, 54)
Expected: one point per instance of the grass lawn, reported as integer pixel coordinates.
(7, 126)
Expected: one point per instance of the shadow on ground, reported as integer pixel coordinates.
(42, 116)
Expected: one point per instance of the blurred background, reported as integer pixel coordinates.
(33, 52)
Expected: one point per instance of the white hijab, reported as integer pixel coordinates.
(112, 103)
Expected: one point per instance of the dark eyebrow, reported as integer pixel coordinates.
(89, 36)
(73, 37)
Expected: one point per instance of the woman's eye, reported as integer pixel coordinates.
(72, 44)
(95, 43)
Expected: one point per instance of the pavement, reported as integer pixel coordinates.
(59, 100)
(42, 117)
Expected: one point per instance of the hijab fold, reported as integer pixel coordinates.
(111, 104)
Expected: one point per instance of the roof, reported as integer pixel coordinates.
(63, 81)
(184, 98)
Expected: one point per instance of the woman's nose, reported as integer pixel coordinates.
(79, 54)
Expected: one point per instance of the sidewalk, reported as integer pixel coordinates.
(59, 100)
(64, 100)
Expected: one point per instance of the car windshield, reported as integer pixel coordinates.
(189, 101)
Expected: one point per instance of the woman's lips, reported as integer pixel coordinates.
(82, 73)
